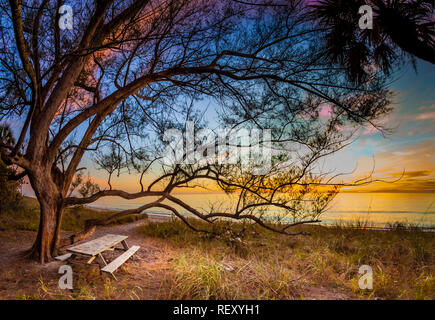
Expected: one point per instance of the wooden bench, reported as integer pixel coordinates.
(115, 264)
(63, 257)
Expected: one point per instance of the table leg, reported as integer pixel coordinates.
(125, 245)
(91, 259)
(103, 261)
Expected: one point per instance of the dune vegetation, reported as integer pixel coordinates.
(258, 264)
(26, 216)
(244, 261)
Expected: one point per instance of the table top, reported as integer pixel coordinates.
(98, 245)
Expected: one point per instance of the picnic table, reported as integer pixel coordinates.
(95, 248)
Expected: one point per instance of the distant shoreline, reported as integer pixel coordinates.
(154, 214)
(325, 224)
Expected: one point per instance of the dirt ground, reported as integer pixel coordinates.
(143, 277)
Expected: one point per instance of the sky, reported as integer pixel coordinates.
(406, 155)
(408, 152)
(404, 159)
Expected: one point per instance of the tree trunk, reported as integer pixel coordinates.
(45, 245)
(51, 209)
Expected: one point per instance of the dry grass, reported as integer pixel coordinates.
(264, 265)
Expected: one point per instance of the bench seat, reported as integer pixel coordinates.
(63, 257)
(115, 264)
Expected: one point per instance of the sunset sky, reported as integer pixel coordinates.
(407, 153)
(411, 146)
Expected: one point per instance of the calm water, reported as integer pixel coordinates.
(378, 208)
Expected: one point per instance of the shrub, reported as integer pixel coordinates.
(10, 195)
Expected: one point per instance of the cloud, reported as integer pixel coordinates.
(401, 186)
(412, 174)
(424, 108)
(426, 116)
(325, 110)
(407, 168)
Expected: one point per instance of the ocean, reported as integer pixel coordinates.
(379, 209)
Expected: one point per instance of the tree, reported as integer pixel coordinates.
(405, 27)
(111, 162)
(130, 70)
